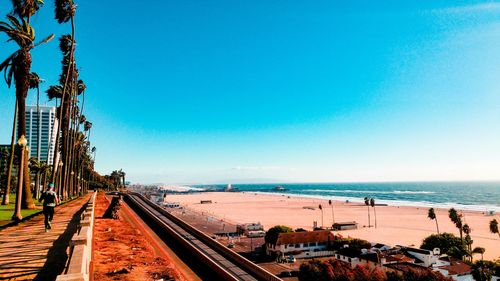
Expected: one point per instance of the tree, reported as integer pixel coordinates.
(273, 233)
(367, 203)
(64, 11)
(432, 215)
(17, 68)
(483, 270)
(468, 240)
(479, 250)
(494, 227)
(456, 218)
(447, 243)
(372, 203)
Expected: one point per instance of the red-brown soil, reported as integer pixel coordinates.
(122, 252)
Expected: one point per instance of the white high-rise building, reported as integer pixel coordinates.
(40, 132)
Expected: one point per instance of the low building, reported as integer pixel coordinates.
(426, 258)
(345, 225)
(454, 268)
(246, 228)
(302, 244)
(171, 204)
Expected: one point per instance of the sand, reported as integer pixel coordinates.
(395, 225)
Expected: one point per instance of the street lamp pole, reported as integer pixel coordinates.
(19, 193)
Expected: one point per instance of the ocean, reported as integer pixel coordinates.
(477, 196)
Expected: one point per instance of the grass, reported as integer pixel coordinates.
(6, 211)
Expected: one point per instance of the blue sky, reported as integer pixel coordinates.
(264, 91)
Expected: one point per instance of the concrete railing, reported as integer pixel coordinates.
(80, 259)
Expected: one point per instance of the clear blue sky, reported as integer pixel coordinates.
(237, 91)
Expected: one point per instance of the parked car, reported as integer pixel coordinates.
(230, 245)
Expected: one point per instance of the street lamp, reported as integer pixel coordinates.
(22, 142)
(59, 172)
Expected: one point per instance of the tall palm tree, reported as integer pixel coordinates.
(367, 203)
(38, 167)
(432, 215)
(372, 203)
(333, 215)
(468, 239)
(17, 68)
(65, 11)
(494, 227)
(456, 218)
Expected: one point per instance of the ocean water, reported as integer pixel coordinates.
(479, 196)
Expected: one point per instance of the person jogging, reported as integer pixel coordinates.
(50, 201)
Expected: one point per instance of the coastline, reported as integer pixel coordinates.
(396, 225)
(396, 203)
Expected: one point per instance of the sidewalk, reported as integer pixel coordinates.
(27, 252)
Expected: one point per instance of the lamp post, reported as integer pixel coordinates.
(71, 183)
(59, 187)
(19, 193)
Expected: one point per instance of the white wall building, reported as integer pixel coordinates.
(40, 132)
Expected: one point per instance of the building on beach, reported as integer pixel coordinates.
(345, 225)
(305, 244)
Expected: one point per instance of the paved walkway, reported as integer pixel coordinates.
(27, 252)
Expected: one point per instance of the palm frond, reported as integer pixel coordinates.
(54, 92)
(45, 40)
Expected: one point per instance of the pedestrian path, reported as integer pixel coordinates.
(27, 252)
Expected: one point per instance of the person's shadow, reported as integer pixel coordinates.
(57, 257)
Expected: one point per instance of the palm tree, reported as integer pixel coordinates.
(456, 218)
(367, 203)
(494, 227)
(17, 68)
(432, 215)
(86, 127)
(333, 216)
(65, 11)
(38, 167)
(468, 240)
(479, 250)
(372, 203)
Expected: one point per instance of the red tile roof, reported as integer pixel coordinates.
(305, 237)
(457, 268)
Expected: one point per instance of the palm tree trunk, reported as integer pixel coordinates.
(56, 146)
(369, 220)
(23, 63)
(375, 214)
(5, 200)
(437, 226)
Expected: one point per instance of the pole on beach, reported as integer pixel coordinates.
(321, 208)
(333, 216)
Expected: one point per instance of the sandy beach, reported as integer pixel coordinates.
(395, 225)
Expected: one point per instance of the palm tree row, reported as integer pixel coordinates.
(463, 228)
(71, 172)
